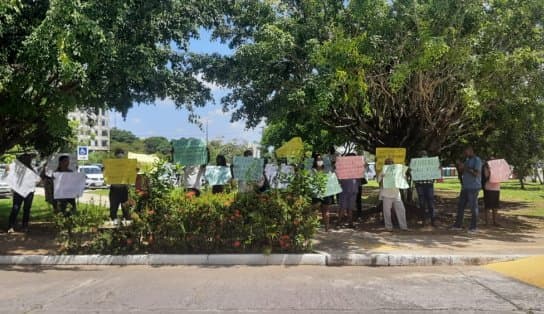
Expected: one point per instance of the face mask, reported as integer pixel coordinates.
(320, 163)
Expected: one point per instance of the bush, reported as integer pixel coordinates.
(169, 221)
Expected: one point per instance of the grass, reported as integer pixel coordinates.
(101, 192)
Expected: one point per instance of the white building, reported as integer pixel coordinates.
(93, 129)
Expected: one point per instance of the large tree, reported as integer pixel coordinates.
(57, 55)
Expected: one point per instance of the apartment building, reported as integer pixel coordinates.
(93, 129)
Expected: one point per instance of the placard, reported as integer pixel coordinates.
(350, 167)
(22, 179)
(398, 155)
(218, 175)
(68, 184)
(327, 163)
(499, 171)
(394, 177)
(53, 163)
(333, 186)
(425, 169)
(190, 152)
(271, 172)
(120, 171)
(294, 148)
(248, 168)
(308, 163)
(283, 178)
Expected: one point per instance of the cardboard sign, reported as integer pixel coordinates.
(499, 171)
(333, 186)
(190, 152)
(294, 148)
(120, 171)
(394, 177)
(22, 179)
(398, 155)
(271, 172)
(218, 175)
(68, 185)
(282, 179)
(53, 163)
(350, 167)
(425, 169)
(248, 168)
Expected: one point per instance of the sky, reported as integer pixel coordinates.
(163, 119)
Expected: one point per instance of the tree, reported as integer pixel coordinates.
(122, 136)
(157, 145)
(229, 149)
(57, 55)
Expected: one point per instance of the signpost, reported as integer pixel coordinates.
(83, 153)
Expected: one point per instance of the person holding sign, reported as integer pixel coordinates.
(325, 202)
(350, 181)
(425, 194)
(471, 184)
(220, 161)
(23, 186)
(60, 205)
(118, 196)
(391, 179)
(492, 192)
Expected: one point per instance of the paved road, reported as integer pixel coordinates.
(263, 289)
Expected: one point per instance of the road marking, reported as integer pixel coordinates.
(529, 270)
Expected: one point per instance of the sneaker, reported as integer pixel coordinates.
(472, 230)
(115, 222)
(11, 230)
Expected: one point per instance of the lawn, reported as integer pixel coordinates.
(101, 192)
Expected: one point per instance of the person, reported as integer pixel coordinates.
(471, 185)
(60, 205)
(118, 196)
(192, 179)
(425, 194)
(18, 200)
(221, 161)
(391, 198)
(324, 203)
(492, 192)
(142, 188)
(347, 200)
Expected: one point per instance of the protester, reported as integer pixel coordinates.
(192, 179)
(347, 200)
(119, 196)
(61, 205)
(425, 193)
(142, 188)
(18, 200)
(492, 192)
(391, 199)
(471, 185)
(245, 186)
(325, 203)
(221, 161)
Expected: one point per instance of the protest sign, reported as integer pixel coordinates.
(398, 155)
(394, 177)
(218, 175)
(271, 172)
(425, 169)
(499, 171)
(282, 178)
(21, 179)
(248, 168)
(294, 148)
(68, 184)
(327, 163)
(120, 171)
(308, 163)
(53, 163)
(190, 152)
(333, 186)
(350, 167)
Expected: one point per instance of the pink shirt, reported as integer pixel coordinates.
(492, 186)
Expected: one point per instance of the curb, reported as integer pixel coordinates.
(322, 259)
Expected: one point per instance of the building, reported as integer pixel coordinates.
(93, 129)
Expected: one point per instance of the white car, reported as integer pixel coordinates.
(93, 175)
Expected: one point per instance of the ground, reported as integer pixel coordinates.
(270, 289)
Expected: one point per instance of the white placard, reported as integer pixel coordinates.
(22, 179)
(68, 185)
(53, 163)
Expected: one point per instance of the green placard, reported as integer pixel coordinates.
(308, 163)
(190, 152)
(424, 169)
(218, 175)
(248, 168)
(333, 186)
(393, 177)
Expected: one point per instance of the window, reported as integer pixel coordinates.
(104, 132)
(104, 143)
(103, 122)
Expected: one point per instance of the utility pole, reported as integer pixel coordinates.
(206, 132)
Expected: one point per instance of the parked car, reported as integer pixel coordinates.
(93, 174)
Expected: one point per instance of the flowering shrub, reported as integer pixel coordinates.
(169, 221)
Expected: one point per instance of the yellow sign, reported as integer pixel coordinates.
(120, 171)
(382, 153)
(293, 148)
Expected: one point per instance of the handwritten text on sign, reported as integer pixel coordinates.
(394, 177)
(190, 152)
(350, 167)
(218, 175)
(120, 171)
(425, 169)
(68, 184)
(21, 179)
(398, 155)
(248, 168)
(499, 171)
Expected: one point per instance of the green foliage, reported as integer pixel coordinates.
(157, 145)
(228, 149)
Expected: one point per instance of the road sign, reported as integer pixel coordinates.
(83, 153)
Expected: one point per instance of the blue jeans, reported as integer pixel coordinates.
(468, 197)
(425, 194)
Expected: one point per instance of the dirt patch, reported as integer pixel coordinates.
(39, 240)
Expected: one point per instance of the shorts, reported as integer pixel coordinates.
(347, 201)
(491, 199)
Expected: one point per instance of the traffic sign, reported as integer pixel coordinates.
(83, 153)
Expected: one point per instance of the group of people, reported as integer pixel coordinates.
(474, 175)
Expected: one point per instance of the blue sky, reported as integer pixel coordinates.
(163, 119)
